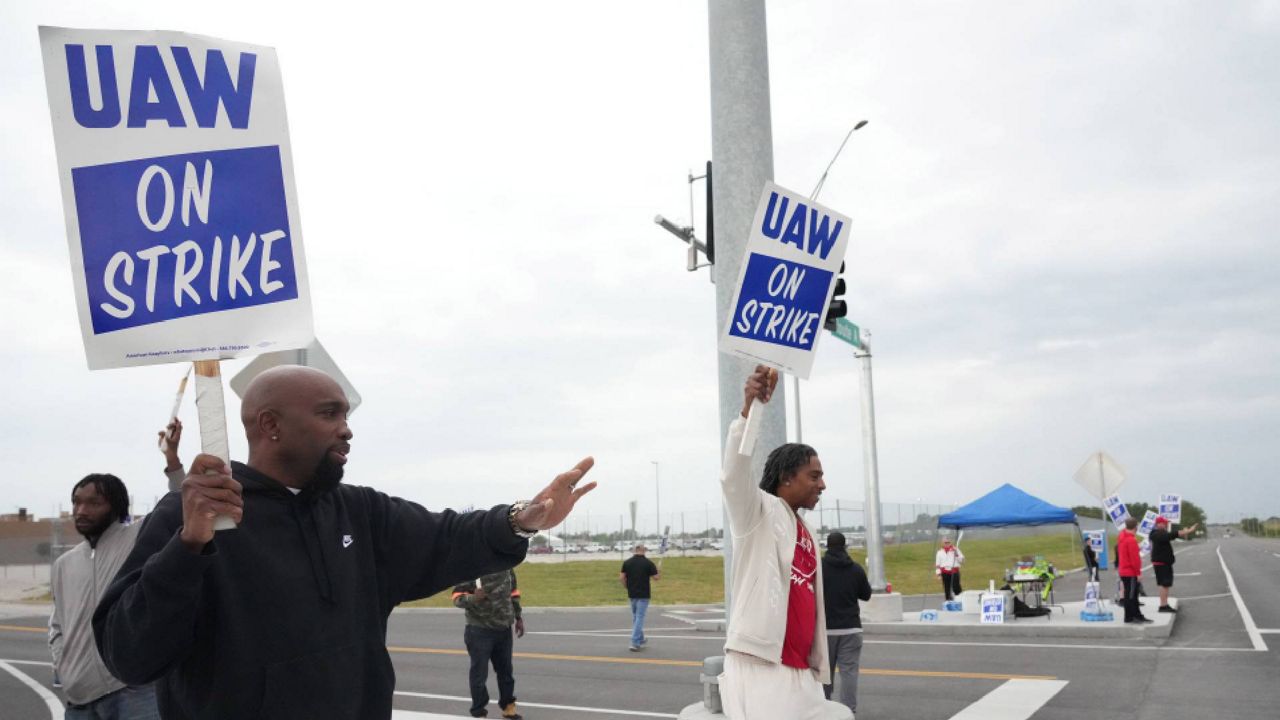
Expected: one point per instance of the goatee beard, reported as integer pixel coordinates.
(328, 475)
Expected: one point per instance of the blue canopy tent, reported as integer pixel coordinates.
(1005, 506)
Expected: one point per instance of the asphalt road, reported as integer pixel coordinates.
(574, 664)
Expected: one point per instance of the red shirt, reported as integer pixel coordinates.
(802, 605)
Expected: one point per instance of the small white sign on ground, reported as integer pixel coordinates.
(178, 195)
(993, 608)
(793, 256)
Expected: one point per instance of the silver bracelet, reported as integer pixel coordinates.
(518, 507)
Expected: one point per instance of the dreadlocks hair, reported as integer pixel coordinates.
(783, 462)
(110, 487)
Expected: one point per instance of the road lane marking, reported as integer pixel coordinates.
(1061, 646)
(698, 664)
(1204, 597)
(51, 701)
(24, 628)
(1272, 631)
(607, 631)
(1014, 700)
(1249, 625)
(1190, 574)
(527, 704)
(1049, 646)
(551, 656)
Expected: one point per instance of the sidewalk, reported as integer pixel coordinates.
(1063, 622)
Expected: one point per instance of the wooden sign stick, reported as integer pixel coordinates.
(213, 421)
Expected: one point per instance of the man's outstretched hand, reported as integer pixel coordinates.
(550, 507)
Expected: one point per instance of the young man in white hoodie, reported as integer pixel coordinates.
(776, 649)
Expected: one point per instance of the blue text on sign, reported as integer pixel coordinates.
(151, 89)
(181, 235)
(803, 226)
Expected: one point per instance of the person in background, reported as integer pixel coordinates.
(1129, 568)
(1162, 557)
(492, 605)
(1090, 559)
(635, 575)
(947, 564)
(844, 583)
(775, 660)
(100, 506)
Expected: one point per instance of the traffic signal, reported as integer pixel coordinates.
(838, 308)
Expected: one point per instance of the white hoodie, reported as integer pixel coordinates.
(764, 546)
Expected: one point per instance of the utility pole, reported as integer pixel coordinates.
(742, 155)
(871, 470)
(657, 498)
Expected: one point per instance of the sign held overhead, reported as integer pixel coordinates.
(178, 195)
(793, 254)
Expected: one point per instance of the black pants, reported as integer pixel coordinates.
(486, 645)
(951, 584)
(1131, 611)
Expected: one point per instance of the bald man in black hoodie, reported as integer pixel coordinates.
(844, 584)
(286, 616)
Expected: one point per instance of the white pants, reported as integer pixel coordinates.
(755, 689)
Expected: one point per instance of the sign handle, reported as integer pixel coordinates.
(177, 405)
(752, 430)
(213, 421)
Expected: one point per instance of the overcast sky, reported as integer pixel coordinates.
(1064, 239)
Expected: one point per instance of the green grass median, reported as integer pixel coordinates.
(698, 580)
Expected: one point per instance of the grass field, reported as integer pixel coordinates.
(695, 580)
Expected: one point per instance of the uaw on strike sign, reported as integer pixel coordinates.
(177, 186)
(793, 255)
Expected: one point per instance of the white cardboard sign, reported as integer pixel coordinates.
(178, 194)
(992, 608)
(1116, 510)
(1091, 597)
(1146, 524)
(793, 256)
(1170, 506)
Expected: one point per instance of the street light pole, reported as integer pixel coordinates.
(813, 197)
(657, 498)
(871, 470)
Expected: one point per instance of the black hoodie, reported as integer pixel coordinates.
(286, 616)
(844, 583)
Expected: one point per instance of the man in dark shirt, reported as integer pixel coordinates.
(493, 607)
(635, 575)
(1162, 557)
(286, 616)
(844, 584)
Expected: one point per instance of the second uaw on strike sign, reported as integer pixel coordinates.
(794, 253)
